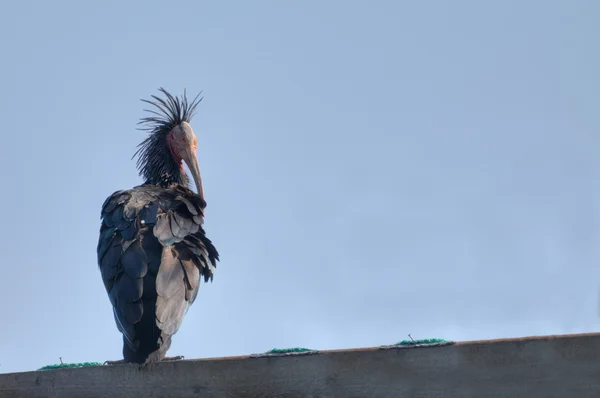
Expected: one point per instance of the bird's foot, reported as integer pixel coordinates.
(169, 359)
(165, 359)
(143, 366)
(119, 362)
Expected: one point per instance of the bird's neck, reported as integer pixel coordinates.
(169, 175)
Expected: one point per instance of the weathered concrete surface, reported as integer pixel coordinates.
(550, 366)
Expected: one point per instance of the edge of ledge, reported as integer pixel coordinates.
(551, 366)
(457, 343)
(363, 349)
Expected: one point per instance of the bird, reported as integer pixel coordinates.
(152, 248)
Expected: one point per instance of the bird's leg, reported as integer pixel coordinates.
(169, 359)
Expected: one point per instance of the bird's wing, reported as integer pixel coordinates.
(153, 250)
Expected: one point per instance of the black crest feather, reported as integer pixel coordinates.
(155, 163)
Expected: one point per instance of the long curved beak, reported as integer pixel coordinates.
(192, 162)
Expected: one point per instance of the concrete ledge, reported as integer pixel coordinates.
(548, 366)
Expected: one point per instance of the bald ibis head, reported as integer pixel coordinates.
(171, 141)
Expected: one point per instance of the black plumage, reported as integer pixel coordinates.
(152, 249)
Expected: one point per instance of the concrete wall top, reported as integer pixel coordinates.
(547, 366)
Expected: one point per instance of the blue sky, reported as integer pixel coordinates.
(372, 169)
